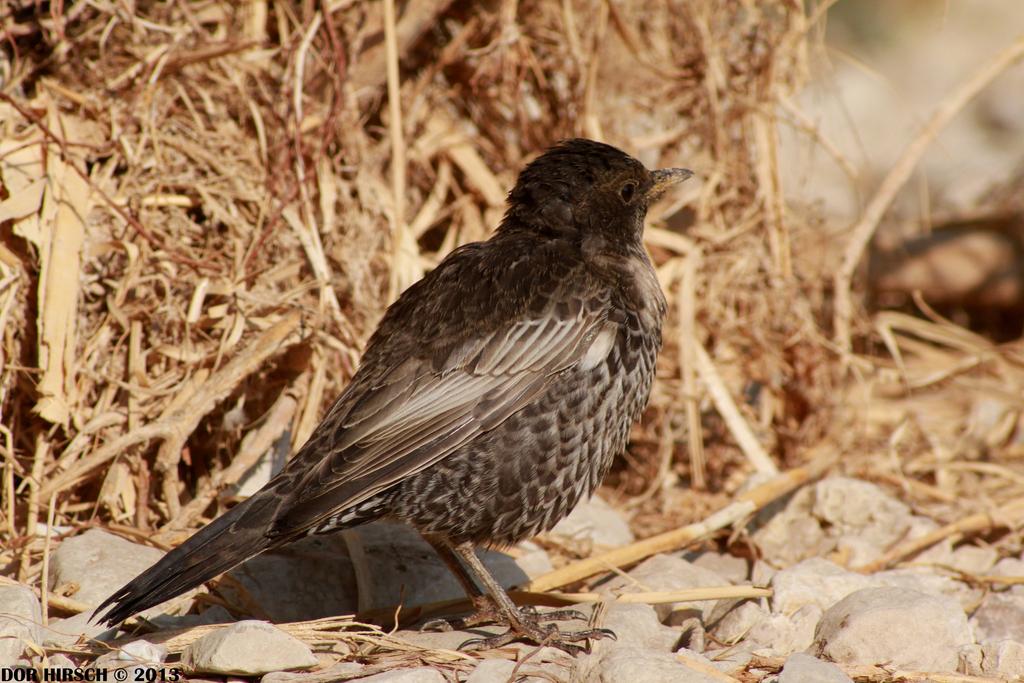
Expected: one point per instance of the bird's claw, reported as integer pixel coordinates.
(440, 625)
(528, 627)
(544, 636)
(554, 615)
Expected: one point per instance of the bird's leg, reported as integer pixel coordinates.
(523, 624)
(484, 608)
(553, 615)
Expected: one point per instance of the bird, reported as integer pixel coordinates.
(492, 397)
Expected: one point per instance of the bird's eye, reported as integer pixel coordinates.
(627, 192)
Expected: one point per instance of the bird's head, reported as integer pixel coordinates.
(589, 189)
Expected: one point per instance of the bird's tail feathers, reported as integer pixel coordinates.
(223, 544)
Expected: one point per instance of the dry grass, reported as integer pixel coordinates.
(206, 207)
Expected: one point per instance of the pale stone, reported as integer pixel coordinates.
(801, 668)
(780, 635)
(142, 651)
(99, 563)
(1000, 616)
(638, 625)
(247, 648)
(900, 628)
(814, 582)
(65, 633)
(492, 671)
(420, 674)
(21, 619)
(639, 665)
(1004, 658)
(594, 521)
(667, 573)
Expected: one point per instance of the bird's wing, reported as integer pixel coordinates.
(401, 421)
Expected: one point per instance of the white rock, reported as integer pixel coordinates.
(21, 619)
(940, 553)
(666, 573)
(109, 660)
(838, 513)
(925, 580)
(638, 625)
(901, 628)
(739, 621)
(500, 671)
(780, 635)
(134, 669)
(793, 535)
(801, 668)
(852, 504)
(1000, 616)
(247, 648)
(973, 559)
(1009, 566)
(637, 665)
(1004, 658)
(970, 659)
(733, 660)
(99, 563)
(142, 651)
(860, 548)
(343, 671)
(814, 582)
(492, 671)
(64, 633)
(596, 522)
(698, 664)
(861, 516)
(421, 674)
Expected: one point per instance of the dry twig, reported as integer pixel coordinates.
(745, 505)
(897, 177)
(176, 427)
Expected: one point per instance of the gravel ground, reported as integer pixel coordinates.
(951, 610)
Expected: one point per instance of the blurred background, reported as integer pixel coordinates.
(206, 207)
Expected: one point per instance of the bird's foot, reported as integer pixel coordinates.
(486, 613)
(531, 612)
(529, 625)
(530, 629)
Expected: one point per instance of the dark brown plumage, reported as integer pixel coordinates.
(494, 394)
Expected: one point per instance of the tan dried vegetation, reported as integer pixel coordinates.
(206, 206)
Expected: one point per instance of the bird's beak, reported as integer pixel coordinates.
(665, 178)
